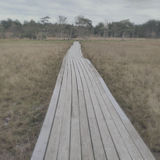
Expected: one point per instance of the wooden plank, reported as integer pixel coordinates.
(109, 123)
(40, 147)
(64, 143)
(98, 147)
(127, 141)
(84, 121)
(75, 51)
(142, 148)
(53, 145)
(109, 146)
(86, 141)
(75, 148)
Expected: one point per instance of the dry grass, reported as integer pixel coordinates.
(131, 70)
(28, 71)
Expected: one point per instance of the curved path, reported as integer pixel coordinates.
(84, 122)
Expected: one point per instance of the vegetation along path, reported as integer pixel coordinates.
(84, 121)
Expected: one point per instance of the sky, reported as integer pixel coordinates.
(138, 11)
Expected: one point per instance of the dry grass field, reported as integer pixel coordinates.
(28, 71)
(131, 69)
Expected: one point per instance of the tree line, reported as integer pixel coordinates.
(82, 27)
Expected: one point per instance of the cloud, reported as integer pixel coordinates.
(137, 11)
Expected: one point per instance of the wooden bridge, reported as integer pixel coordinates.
(84, 122)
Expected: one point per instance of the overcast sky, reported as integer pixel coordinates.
(138, 11)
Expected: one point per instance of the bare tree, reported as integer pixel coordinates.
(84, 25)
(105, 28)
(62, 21)
(44, 21)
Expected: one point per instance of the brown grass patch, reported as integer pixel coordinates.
(131, 69)
(28, 72)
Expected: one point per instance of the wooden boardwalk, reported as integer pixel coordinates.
(84, 122)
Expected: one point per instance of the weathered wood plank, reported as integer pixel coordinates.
(64, 144)
(110, 148)
(94, 128)
(100, 108)
(141, 146)
(108, 109)
(84, 121)
(53, 145)
(86, 141)
(75, 148)
(41, 145)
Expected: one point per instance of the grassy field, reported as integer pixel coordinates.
(28, 71)
(131, 70)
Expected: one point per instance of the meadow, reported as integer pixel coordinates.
(131, 69)
(28, 72)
